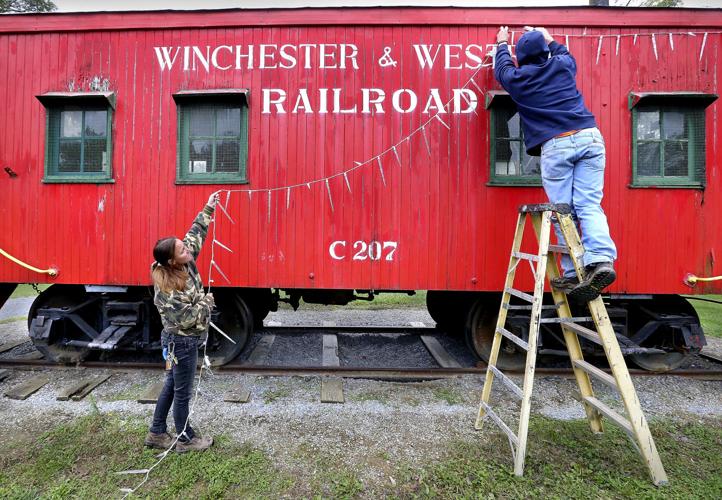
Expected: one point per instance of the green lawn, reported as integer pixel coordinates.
(710, 315)
(565, 460)
(26, 291)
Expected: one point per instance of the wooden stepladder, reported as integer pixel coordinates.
(544, 263)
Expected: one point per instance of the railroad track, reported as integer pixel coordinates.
(330, 366)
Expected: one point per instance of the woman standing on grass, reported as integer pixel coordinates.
(185, 311)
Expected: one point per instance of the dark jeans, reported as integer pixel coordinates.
(178, 386)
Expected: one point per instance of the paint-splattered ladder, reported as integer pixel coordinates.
(635, 425)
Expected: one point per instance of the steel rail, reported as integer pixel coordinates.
(349, 372)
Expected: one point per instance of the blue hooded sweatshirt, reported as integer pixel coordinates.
(544, 89)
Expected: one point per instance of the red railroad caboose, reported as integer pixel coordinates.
(361, 150)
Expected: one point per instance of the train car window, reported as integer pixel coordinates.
(510, 164)
(668, 139)
(78, 138)
(212, 140)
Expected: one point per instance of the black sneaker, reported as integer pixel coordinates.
(564, 283)
(599, 277)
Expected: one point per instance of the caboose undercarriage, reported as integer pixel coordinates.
(69, 322)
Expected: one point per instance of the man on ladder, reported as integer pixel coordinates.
(557, 125)
(555, 120)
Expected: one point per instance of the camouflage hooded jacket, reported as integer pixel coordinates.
(187, 311)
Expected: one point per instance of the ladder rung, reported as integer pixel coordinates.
(526, 256)
(584, 332)
(521, 295)
(578, 319)
(596, 372)
(507, 382)
(506, 333)
(611, 415)
(558, 249)
(500, 423)
(526, 308)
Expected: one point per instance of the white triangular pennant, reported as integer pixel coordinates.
(671, 41)
(396, 154)
(330, 200)
(288, 197)
(701, 50)
(348, 185)
(654, 47)
(381, 169)
(213, 263)
(616, 52)
(216, 242)
(226, 213)
(221, 332)
(426, 140)
(438, 117)
(599, 48)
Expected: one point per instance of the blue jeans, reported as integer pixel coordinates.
(178, 385)
(572, 170)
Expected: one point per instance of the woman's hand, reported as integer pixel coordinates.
(213, 199)
(210, 300)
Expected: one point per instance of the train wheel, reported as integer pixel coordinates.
(658, 315)
(58, 296)
(236, 321)
(480, 328)
(659, 362)
(449, 309)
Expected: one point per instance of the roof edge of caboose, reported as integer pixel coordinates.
(593, 17)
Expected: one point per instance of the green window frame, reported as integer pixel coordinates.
(78, 137)
(668, 139)
(212, 137)
(509, 163)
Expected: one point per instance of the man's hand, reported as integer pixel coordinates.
(547, 37)
(503, 34)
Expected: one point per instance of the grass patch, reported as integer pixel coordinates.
(381, 301)
(369, 396)
(565, 460)
(133, 393)
(272, 395)
(26, 291)
(14, 319)
(451, 396)
(79, 460)
(710, 315)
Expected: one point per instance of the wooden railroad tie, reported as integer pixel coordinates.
(26, 389)
(331, 387)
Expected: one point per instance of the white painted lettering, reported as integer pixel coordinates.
(164, 59)
(396, 100)
(452, 51)
(214, 57)
(302, 102)
(377, 101)
(199, 56)
(423, 54)
(278, 102)
(434, 102)
(263, 56)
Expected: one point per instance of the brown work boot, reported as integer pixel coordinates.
(160, 441)
(196, 444)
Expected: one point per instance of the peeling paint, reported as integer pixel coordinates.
(101, 205)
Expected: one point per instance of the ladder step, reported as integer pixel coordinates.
(526, 308)
(526, 256)
(500, 423)
(611, 415)
(558, 249)
(584, 332)
(507, 382)
(578, 319)
(506, 333)
(521, 295)
(596, 372)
